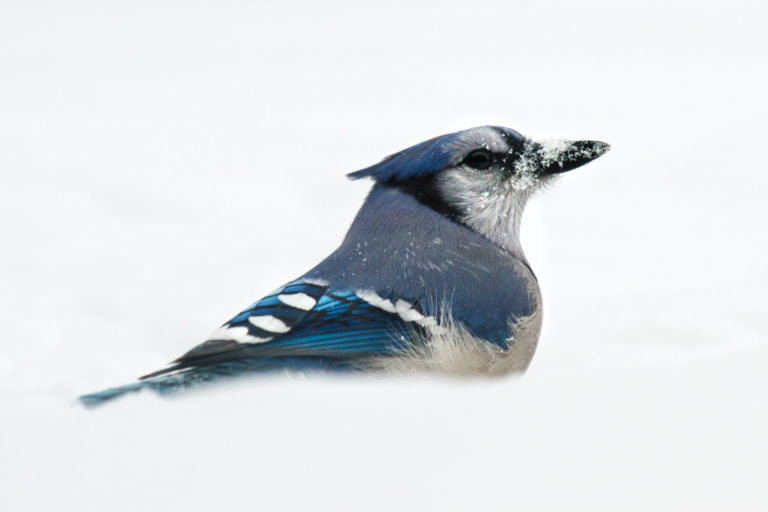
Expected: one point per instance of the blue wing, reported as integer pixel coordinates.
(308, 319)
(306, 324)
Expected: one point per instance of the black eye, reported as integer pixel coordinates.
(479, 159)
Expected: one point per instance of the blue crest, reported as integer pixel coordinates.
(428, 157)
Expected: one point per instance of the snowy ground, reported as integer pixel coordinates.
(164, 165)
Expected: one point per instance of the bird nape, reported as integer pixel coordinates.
(431, 275)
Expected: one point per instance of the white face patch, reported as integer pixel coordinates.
(491, 202)
(490, 205)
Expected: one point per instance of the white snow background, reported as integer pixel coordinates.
(164, 164)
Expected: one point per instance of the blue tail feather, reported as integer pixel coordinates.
(169, 384)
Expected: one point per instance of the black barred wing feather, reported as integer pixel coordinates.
(309, 319)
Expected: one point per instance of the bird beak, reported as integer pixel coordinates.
(558, 156)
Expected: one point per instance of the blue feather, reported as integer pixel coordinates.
(225, 371)
(425, 158)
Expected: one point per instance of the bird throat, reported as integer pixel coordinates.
(495, 213)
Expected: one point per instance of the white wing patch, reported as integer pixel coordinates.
(428, 322)
(374, 299)
(238, 334)
(407, 312)
(411, 315)
(402, 308)
(269, 323)
(297, 300)
(316, 281)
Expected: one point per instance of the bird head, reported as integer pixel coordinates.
(482, 177)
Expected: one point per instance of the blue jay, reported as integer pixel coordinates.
(430, 276)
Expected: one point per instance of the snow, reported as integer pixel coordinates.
(164, 165)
